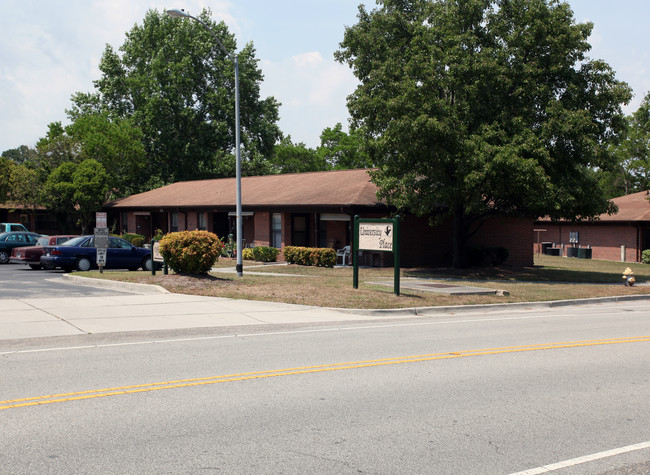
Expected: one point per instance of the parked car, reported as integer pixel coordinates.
(9, 227)
(8, 241)
(32, 255)
(80, 253)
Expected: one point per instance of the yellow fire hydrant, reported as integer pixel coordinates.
(628, 277)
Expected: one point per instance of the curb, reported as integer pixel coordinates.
(117, 285)
(422, 311)
(395, 312)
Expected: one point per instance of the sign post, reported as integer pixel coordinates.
(381, 235)
(101, 239)
(156, 256)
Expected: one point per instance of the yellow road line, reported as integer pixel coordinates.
(180, 383)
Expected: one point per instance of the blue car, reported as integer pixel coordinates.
(80, 254)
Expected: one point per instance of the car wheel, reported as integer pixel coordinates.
(36, 266)
(83, 264)
(146, 264)
(4, 257)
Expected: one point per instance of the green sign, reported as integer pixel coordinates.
(381, 235)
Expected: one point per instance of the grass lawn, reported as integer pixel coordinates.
(551, 278)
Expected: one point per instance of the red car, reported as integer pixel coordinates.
(32, 255)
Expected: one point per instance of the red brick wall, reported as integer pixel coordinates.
(605, 240)
(423, 245)
(248, 228)
(513, 234)
(262, 226)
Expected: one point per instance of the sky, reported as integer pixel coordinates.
(51, 49)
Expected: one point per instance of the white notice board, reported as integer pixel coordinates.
(376, 236)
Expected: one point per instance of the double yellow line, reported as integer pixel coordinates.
(184, 383)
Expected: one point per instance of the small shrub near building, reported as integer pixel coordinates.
(190, 252)
(645, 256)
(310, 256)
(136, 239)
(261, 254)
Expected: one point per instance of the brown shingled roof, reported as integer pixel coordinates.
(631, 208)
(332, 188)
(634, 207)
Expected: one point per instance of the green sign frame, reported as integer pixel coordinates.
(392, 226)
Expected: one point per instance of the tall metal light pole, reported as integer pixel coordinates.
(240, 224)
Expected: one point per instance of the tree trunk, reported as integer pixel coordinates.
(459, 238)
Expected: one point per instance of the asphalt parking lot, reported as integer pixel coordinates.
(20, 281)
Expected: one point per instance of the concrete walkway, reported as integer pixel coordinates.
(150, 307)
(33, 318)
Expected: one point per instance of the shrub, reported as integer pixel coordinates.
(261, 254)
(190, 252)
(138, 241)
(130, 237)
(158, 235)
(645, 256)
(310, 256)
(265, 254)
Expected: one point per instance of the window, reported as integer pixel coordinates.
(202, 221)
(174, 222)
(276, 230)
(300, 230)
(119, 244)
(125, 222)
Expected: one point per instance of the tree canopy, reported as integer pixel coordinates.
(79, 189)
(177, 86)
(474, 108)
(631, 172)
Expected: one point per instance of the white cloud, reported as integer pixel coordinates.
(313, 94)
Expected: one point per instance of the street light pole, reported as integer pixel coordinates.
(234, 58)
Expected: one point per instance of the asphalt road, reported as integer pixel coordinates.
(493, 393)
(20, 281)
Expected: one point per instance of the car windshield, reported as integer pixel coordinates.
(75, 241)
(43, 241)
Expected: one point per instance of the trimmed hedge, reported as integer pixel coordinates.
(190, 252)
(136, 239)
(310, 256)
(261, 254)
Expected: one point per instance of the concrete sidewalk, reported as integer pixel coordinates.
(42, 317)
(150, 307)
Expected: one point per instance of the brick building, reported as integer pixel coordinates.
(619, 237)
(304, 209)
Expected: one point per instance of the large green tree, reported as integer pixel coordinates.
(116, 144)
(474, 108)
(632, 170)
(78, 189)
(20, 155)
(341, 150)
(290, 157)
(177, 85)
